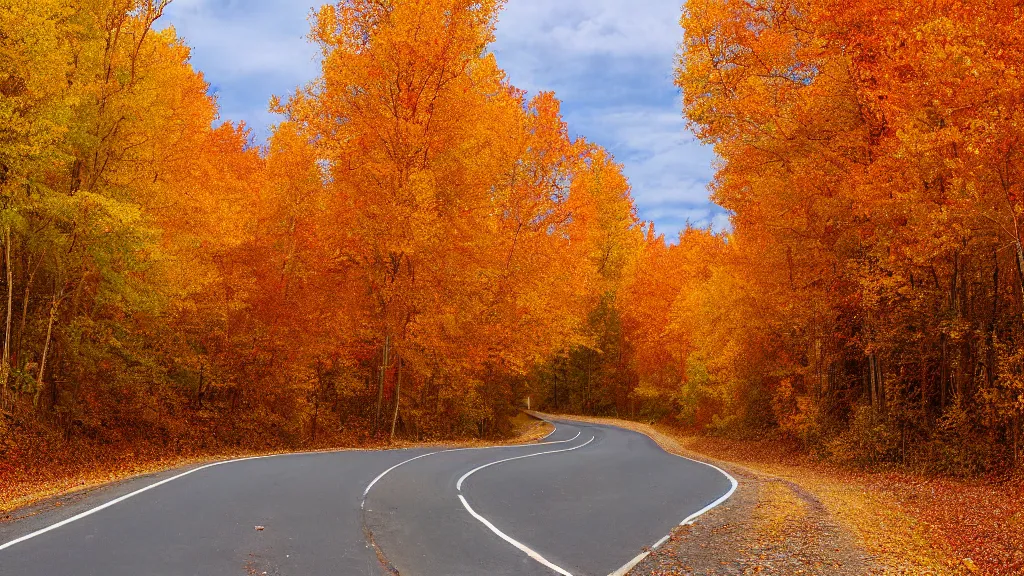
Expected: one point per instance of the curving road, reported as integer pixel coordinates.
(586, 500)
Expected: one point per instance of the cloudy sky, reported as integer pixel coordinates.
(609, 61)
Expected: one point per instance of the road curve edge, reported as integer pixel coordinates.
(734, 484)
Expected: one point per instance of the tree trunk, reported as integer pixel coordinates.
(1020, 265)
(316, 415)
(1016, 440)
(380, 383)
(872, 384)
(556, 386)
(943, 373)
(24, 308)
(398, 397)
(58, 362)
(587, 384)
(46, 349)
(990, 360)
(5, 368)
(880, 384)
(199, 390)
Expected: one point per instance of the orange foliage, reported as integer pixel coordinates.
(413, 240)
(419, 248)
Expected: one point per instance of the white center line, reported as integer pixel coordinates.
(384, 473)
(512, 541)
(523, 547)
(688, 520)
(458, 485)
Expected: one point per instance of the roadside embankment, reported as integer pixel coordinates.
(794, 515)
(62, 468)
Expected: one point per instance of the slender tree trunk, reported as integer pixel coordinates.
(398, 397)
(58, 376)
(556, 385)
(924, 381)
(1015, 440)
(587, 388)
(380, 383)
(1020, 265)
(872, 384)
(1015, 426)
(199, 390)
(24, 309)
(46, 349)
(316, 398)
(943, 373)
(990, 360)
(316, 414)
(5, 369)
(880, 384)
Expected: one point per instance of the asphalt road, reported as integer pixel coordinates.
(584, 501)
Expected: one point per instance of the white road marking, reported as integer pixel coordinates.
(693, 517)
(532, 554)
(529, 552)
(458, 485)
(688, 520)
(639, 557)
(384, 473)
(92, 511)
(631, 564)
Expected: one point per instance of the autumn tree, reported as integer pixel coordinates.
(866, 158)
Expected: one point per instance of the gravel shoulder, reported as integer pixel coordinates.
(771, 525)
(793, 514)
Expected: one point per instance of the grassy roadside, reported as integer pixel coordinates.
(64, 473)
(906, 524)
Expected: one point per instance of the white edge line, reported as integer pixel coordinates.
(92, 511)
(693, 517)
(526, 549)
(639, 557)
(688, 520)
(632, 563)
(103, 506)
(458, 485)
(362, 505)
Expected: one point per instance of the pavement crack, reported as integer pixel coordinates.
(385, 564)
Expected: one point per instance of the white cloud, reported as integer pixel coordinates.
(248, 51)
(666, 163)
(610, 61)
(616, 27)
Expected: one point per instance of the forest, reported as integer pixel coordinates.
(420, 246)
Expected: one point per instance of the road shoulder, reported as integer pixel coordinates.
(23, 498)
(771, 525)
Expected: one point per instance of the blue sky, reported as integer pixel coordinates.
(609, 61)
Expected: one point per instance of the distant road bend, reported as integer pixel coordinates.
(586, 500)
